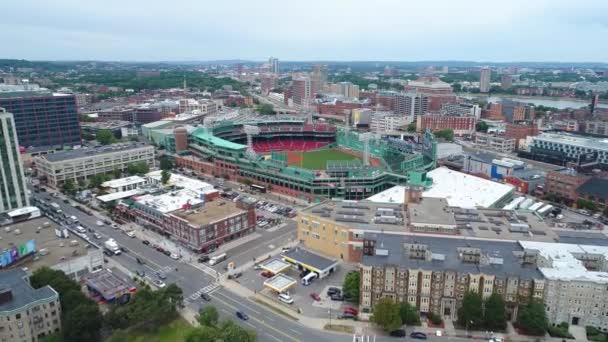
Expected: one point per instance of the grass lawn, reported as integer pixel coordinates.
(316, 160)
(175, 331)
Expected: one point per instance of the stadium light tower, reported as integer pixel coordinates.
(366, 138)
(251, 130)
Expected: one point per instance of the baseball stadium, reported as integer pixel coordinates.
(305, 159)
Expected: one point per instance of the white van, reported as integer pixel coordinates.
(81, 229)
(217, 259)
(307, 280)
(285, 298)
(74, 219)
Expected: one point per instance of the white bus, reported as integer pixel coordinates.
(217, 259)
(309, 278)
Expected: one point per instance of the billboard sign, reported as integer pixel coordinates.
(15, 254)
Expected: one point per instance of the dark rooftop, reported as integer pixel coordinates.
(305, 257)
(86, 152)
(500, 256)
(22, 293)
(108, 284)
(596, 187)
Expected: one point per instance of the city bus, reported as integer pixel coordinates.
(217, 259)
(23, 214)
(259, 188)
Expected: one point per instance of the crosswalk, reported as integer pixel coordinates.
(207, 289)
(165, 269)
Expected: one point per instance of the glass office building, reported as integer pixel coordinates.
(13, 193)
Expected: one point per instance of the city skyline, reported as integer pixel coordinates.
(517, 31)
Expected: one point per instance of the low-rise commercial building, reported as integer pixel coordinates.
(81, 164)
(495, 142)
(434, 273)
(567, 147)
(27, 314)
(564, 182)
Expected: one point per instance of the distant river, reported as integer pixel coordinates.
(558, 103)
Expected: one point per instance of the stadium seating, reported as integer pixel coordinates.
(262, 146)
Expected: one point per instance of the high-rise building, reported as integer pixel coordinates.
(318, 78)
(13, 193)
(410, 105)
(484, 80)
(506, 81)
(274, 65)
(42, 119)
(300, 90)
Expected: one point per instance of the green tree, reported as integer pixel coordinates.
(582, 203)
(411, 127)
(55, 337)
(470, 313)
(408, 314)
(266, 109)
(495, 314)
(69, 187)
(351, 286)
(533, 318)
(481, 126)
(105, 137)
(165, 163)
(82, 323)
(232, 332)
(80, 317)
(447, 134)
(208, 316)
(116, 173)
(386, 314)
(204, 334)
(134, 138)
(165, 176)
(138, 168)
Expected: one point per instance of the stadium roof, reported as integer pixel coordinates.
(213, 140)
(459, 189)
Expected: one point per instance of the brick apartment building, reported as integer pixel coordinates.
(564, 183)
(520, 131)
(462, 125)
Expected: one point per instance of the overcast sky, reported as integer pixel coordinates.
(398, 30)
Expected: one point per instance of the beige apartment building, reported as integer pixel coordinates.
(81, 164)
(336, 228)
(495, 142)
(26, 314)
(434, 273)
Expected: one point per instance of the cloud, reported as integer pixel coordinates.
(515, 30)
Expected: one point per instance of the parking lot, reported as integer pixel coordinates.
(303, 301)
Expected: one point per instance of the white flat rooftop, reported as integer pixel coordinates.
(172, 201)
(563, 263)
(182, 182)
(275, 265)
(117, 183)
(117, 195)
(280, 282)
(459, 189)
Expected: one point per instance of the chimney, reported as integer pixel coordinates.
(6, 295)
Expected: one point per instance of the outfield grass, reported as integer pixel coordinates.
(175, 331)
(316, 160)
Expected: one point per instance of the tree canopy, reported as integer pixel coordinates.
(165, 163)
(138, 168)
(386, 314)
(447, 134)
(481, 126)
(266, 109)
(211, 330)
(411, 127)
(495, 314)
(81, 319)
(533, 318)
(471, 313)
(105, 137)
(350, 288)
(408, 314)
(165, 176)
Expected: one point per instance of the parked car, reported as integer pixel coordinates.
(398, 333)
(203, 258)
(285, 298)
(139, 261)
(146, 242)
(418, 335)
(174, 256)
(351, 311)
(205, 297)
(131, 234)
(140, 273)
(242, 315)
(159, 283)
(99, 223)
(235, 275)
(333, 290)
(315, 297)
(257, 267)
(285, 249)
(348, 316)
(161, 275)
(97, 236)
(167, 252)
(337, 297)
(304, 273)
(266, 274)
